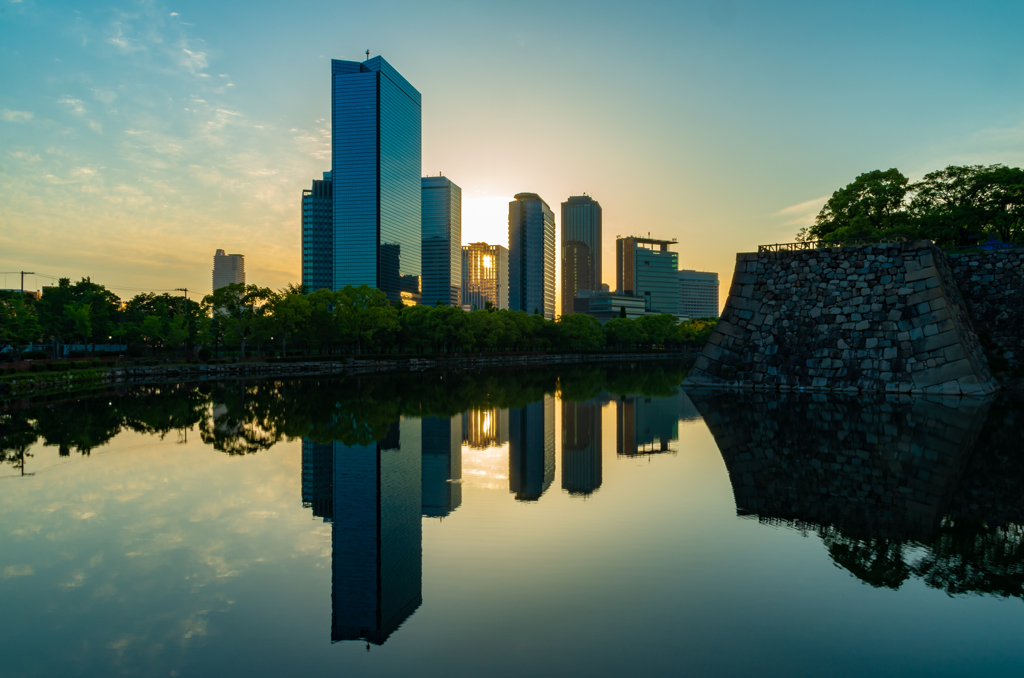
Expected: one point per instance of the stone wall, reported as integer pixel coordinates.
(884, 317)
(992, 284)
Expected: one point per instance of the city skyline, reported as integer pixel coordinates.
(156, 127)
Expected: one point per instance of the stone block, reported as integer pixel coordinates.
(925, 272)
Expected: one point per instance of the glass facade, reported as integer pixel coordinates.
(698, 294)
(581, 248)
(581, 447)
(376, 145)
(645, 268)
(442, 241)
(317, 235)
(442, 465)
(531, 449)
(484, 276)
(531, 255)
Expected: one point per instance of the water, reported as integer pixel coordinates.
(582, 522)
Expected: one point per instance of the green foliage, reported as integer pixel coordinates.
(958, 205)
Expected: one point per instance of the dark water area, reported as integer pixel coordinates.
(583, 521)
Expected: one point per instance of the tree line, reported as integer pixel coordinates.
(254, 320)
(961, 205)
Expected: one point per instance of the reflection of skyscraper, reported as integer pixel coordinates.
(317, 478)
(581, 447)
(442, 464)
(482, 429)
(646, 425)
(377, 535)
(531, 449)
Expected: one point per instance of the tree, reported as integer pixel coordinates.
(80, 315)
(955, 205)
(291, 312)
(237, 303)
(363, 312)
(579, 331)
(19, 326)
(872, 205)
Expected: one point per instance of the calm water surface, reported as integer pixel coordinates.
(585, 522)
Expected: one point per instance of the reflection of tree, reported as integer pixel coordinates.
(18, 435)
(81, 426)
(878, 562)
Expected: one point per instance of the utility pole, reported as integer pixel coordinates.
(23, 274)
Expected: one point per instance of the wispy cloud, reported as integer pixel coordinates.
(802, 214)
(194, 61)
(122, 41)
(74, 104)
(8, 115)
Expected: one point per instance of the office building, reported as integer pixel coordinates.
(581, 248)
(228, 269)
(442, 465)
(531, 449)
(531, 256)
(317, 235)
(698, 294)
(607, 305)
(483, 429)
(377, 537)
(376, 178)
(484, 276)
(442, 241)
(581, 447)
(645, 268)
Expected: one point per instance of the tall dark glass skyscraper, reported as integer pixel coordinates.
(581, 248)
(531, 449)
(318, 235)
(581, 447)
(531, 255)
(376, 148)
(442, 241)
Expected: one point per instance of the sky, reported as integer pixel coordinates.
(136, 138)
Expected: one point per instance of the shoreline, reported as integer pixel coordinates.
(30, 384)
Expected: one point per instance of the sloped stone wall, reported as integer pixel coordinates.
(992, 284)
(885, 317)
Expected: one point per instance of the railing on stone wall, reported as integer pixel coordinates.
(823, 244)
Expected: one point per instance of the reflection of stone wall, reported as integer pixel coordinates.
(885, 317)
(868, 465)
(992, 284)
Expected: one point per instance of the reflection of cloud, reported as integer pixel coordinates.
(18, 571)
(8, 115)
(802, 214)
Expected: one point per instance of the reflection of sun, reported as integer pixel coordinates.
(486, 468)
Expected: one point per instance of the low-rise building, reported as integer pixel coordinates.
(607, 305)
(698, 294)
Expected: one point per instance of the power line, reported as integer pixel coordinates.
(109, 287)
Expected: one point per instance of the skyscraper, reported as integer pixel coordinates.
(484, 275)
(581, 248)
(375, 170)
(317, 235)
(228, 269)
(442, 241)
(645, 268)
(698, 294)
(531, 255)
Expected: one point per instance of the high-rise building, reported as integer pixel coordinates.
(442, 241)
(698, 294)
(531, 449)
(442, 465)
(484, 276)
(581, 446)
(645, 268)
(377, 535)
(228, 269)
(531, 255)
(317, 235)
(376, 175)
(581, 248)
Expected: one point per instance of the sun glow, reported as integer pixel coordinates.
(485, 219)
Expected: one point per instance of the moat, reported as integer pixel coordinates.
(565, 520)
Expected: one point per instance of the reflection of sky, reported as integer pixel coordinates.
(152, 557)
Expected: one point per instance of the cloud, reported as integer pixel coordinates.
(96, 127)
(193, 61)
(105, 96)
(8, 115)
(74, 104)
(802, 214)
(122, 42)
(173, 14)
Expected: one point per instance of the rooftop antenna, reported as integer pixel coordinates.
(367, 55)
